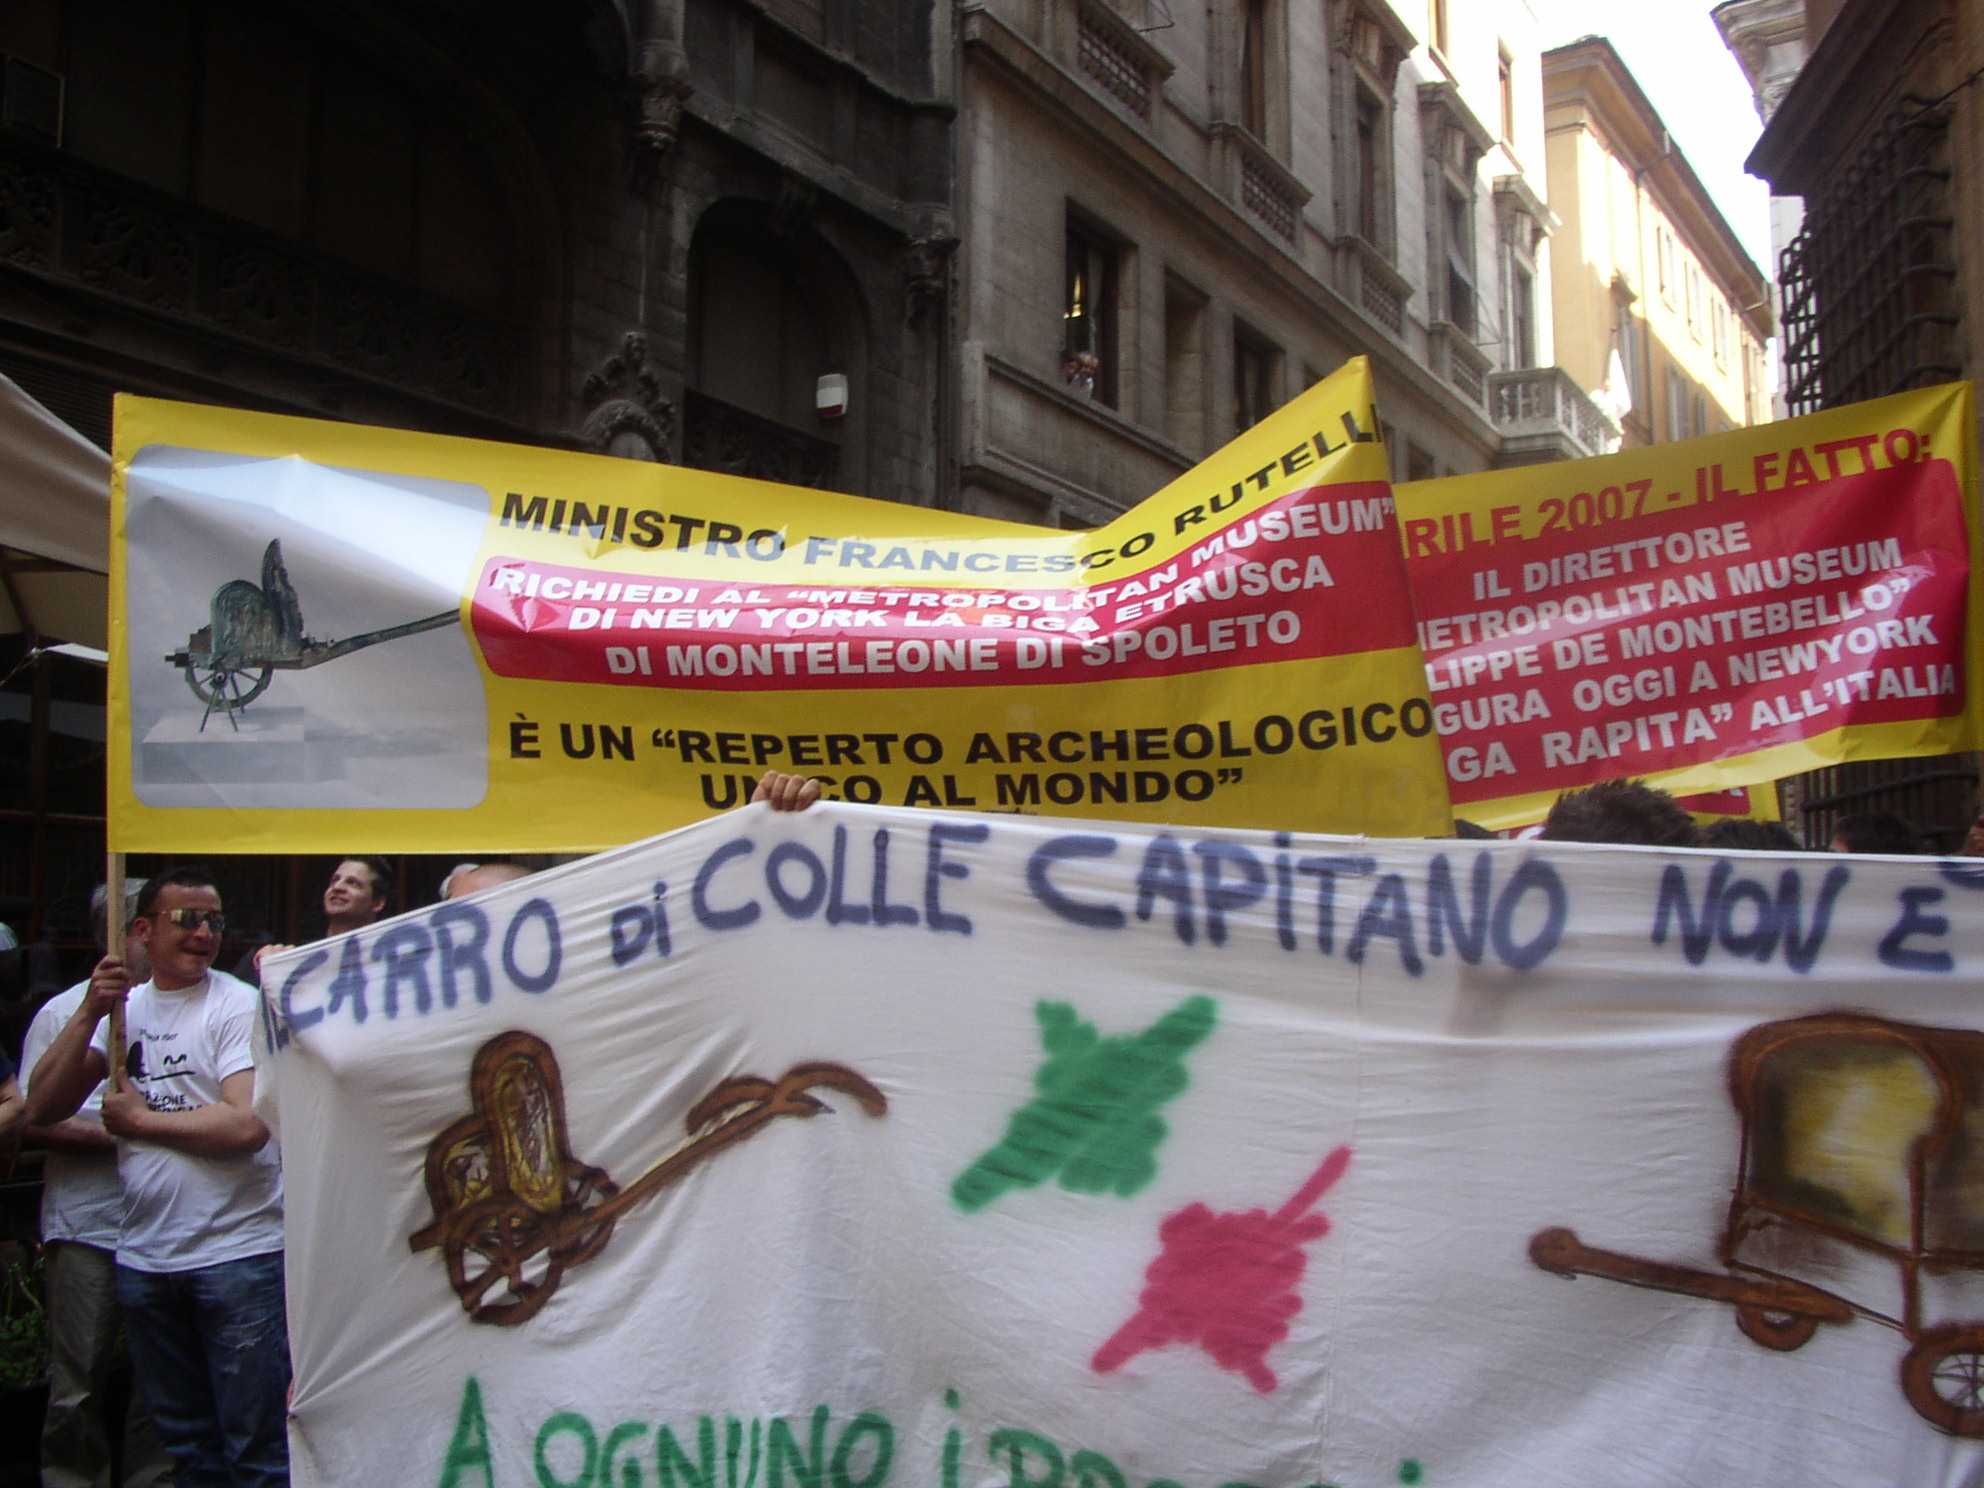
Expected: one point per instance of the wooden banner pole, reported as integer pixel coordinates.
(115, 918)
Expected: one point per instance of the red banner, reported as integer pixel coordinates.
(1245, 592)
(1623, 629)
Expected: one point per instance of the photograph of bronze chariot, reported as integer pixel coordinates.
(253, 631)
(1862, 1142)
(514, 1209)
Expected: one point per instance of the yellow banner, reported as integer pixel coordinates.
(1708, 614)
(335, 638)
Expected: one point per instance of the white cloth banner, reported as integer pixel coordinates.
(869, 1148)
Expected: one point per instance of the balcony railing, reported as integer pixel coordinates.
(1543, 415)
(64, 219)
(722, 437)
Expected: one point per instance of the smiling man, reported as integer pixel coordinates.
(356, 894)
(199, 1249)
(353, 899)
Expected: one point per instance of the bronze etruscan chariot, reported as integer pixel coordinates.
(256, 631)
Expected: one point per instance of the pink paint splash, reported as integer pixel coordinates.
(1227, 1281)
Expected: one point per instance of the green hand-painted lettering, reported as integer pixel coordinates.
(623, 1435)
(470, 1447)
(808, 1470)
(576, 1426)
(869, 1426)
(672, 1464)
(1016, 1446)
(1095, 1119)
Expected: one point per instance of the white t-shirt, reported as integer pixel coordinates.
(81, 1199)
(182, 1212)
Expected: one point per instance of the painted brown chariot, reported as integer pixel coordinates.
(1862, 1138)
(514, 1210)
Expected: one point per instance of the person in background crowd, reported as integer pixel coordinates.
(1467, 831)
(82, 1204)
(1625, 811)
(1874, 832)
(199, 1250)
(473, 878)
(780, 792)
(1742, 834)
(356, 896)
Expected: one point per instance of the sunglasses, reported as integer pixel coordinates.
(187, 919)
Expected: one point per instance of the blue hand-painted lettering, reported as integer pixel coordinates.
(1894, 948)
(405, 949)
(1081, 912)
(1226, 894)
(1538, 874)
(467, 955)
(699, 894)
(878, 888)
(540, 912)
(937, 869)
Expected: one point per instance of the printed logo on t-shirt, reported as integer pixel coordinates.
(158, 1095)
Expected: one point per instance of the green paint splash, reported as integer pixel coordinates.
(1095, 1120)
(1409, 1471)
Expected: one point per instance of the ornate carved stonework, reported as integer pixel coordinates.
(66, 220)
(731, 440)
(626, 412)
(27, 215)
(923, 269)
(660, 121)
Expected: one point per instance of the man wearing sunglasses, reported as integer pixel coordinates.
(199, 1249)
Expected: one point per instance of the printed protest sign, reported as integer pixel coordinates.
(1707, 614)
(871, 1148)
(346, 636)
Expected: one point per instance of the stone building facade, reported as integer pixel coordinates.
(1173, 218)
(648, 228)
(452, 217)
(1767, 38)
(1657, 302)
(1881, 134)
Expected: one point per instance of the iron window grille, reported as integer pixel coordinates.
(1869, 286)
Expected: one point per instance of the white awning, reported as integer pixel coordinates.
(54, 524)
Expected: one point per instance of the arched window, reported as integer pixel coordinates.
(770, 316)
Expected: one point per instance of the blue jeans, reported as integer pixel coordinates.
(210, 1349)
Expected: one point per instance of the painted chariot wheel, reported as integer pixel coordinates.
(1943, 1378)
(500, 1260)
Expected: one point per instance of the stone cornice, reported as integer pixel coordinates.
(1590, 73)
(1846, 82)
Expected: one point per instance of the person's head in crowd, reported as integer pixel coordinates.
(1468, 831)
(132, 950)
(1741, 834)
(357, 894)
(1874, 832)
(178, 920)
(1624, 811)
(473, 878)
